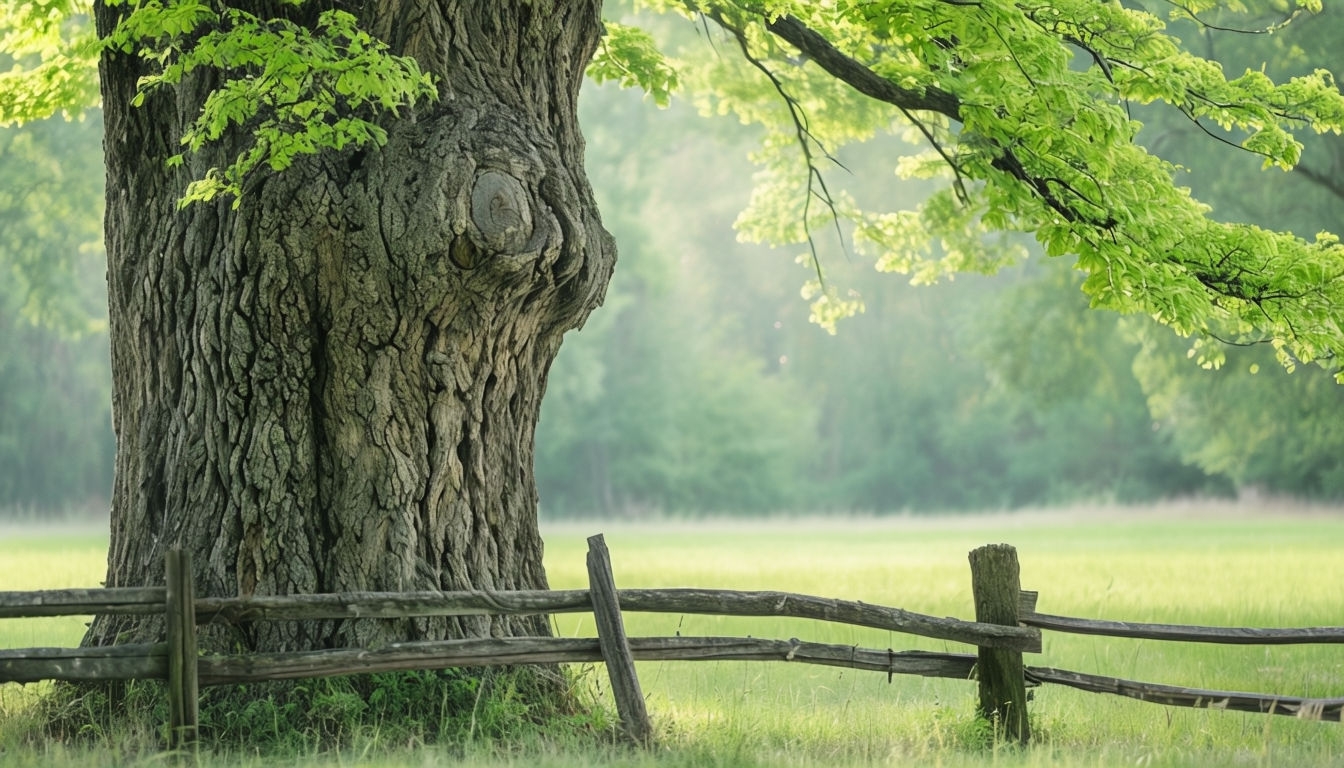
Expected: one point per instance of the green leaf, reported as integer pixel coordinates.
(293, 87)
(629, 56)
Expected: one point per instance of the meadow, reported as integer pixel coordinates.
(1216, 565)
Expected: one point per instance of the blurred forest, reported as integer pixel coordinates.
(702, 388)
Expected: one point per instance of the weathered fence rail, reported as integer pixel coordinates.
(82, 602)
(1007, 626)
(1184, 632)
(1199, 698)
(722, 602)
(148, 661)
(390, 605)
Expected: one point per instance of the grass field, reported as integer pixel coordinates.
(1203, 565)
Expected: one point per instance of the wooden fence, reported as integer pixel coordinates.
(1006, 626)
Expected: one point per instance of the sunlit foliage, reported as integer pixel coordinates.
(1026, 111)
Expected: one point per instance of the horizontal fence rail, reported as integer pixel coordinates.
(1199, 698)
(147, 661)
(549, 650)
(178, 662)
(82, 602)
(140, 661)
(399, 605)
(719, 602)
(1186, 632)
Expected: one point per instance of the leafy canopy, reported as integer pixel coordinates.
(296, 89)
(1024, 107)
(1025, 110)
(303, 89)
(49, 48)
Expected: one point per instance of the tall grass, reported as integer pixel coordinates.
(1222, 567)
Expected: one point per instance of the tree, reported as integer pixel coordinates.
(330, 382)
(1064, 377)
(335, 290)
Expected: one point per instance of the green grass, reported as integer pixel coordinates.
(49, 557)
(1216, 566)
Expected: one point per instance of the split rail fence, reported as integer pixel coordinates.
(1006, 626)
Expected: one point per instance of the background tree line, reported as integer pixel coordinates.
(701, 387)
(56, 446)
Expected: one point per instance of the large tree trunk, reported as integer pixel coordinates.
(335, 386)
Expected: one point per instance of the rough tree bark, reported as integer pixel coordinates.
(335, 386)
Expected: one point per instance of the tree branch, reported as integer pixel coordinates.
(1269, 30)
(860, 77)
(815, 179)
(931, 98)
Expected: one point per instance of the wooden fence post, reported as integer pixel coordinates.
(996, 584)
(615, 647)
(183, 685)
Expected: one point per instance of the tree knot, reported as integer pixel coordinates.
(501, 212)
